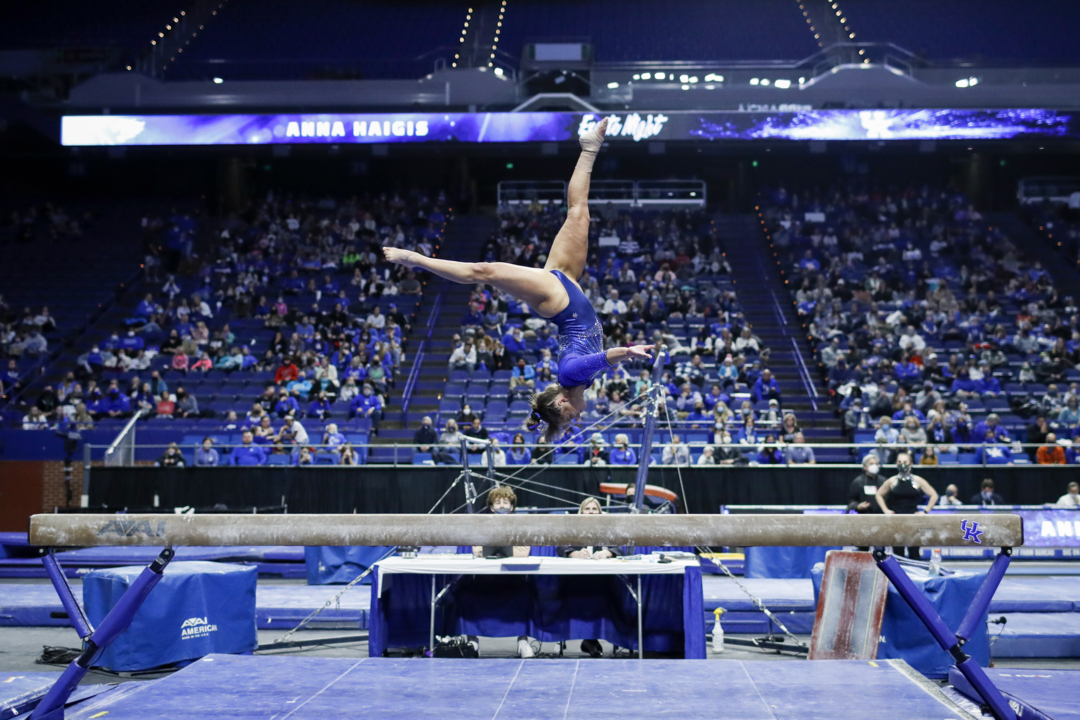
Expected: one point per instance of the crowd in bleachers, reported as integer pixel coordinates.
(654, 277)
(932, 329)
(282, 317)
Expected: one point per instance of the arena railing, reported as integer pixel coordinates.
(418, 359)
(402, 453)
(628, 193)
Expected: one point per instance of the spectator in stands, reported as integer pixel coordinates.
(991, 452)
(595, 453)
(863, 489)
(473, 321)
(172, 457)
(728, 373)
(726, 453)
(518, 453)
(247, 454)
(912, 433)
(769, 453)
(463, 357)
(798, 453)
(1070, 499)
(292, 432)
(286, 404)
(622, 453)
(1070, 414)
(514, 342)
(1051, 453)
(303, 456)
(706, 457)
(368, 405)
(166, 408)
(425, 436)
(286, 371)
(963, 386)
(855, 419)
(986, 495)
(676, 453)
(332, 438)
(186, 404)
(347, 455)
(987, 385)
(886, 433)
(523, 375)
(35, 420)
(993, 425)
(263, 433)
(206, 455)
(319, 408)
(115, 404)
(766, 387)
(475, 431)
(449, 445)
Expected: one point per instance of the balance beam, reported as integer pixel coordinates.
(87, 530)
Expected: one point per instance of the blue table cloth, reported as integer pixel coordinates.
(549, 608)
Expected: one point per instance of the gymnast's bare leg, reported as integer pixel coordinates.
(537, 288)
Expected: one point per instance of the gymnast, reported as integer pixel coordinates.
(552, 293)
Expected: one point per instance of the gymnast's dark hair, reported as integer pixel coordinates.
(546, 411)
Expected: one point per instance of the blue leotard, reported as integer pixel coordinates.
(581, 338)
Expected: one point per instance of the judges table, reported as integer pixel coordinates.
(630, 602)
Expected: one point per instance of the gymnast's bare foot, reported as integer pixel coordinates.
(400, 257)
(592, 140)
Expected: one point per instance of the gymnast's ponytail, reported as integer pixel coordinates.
(545, 412)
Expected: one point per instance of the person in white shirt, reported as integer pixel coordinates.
(1070, 499)
(376, 319)
(463, 357)
(497, 454)
(676, 453)
(912, 341)
(293, 427)
(706, 456)
(613, 304)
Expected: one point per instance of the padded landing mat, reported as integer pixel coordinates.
(276, 606)
(1043, 693)
(1047, 635)
(229, 687)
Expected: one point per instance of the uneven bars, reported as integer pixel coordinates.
(87, 530)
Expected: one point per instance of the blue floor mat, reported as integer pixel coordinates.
(1053, 693)
(228, 687)
(1037, 635)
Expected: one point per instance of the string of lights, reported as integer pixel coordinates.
(461, 40)
(498, 31)
(159, 42)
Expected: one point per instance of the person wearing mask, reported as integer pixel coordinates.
(770, 454)
(951, 496)
(498, 457)
(171, 458)
(676, 453)
(206, 455)
(332, 437)
(622, 453)
(247, 454)
(425, 436)
(596, 454)
(1051, 453)
(991, 452)
(706, 458)
(589, 506)
(904, 492)
(863, 489)
(727, 453)
(186, 404)
(368, 405)
(503, 501)
(518, 453)
(1070, 499)
(986, 495)
(449, 445)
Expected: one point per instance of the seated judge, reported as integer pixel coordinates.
(501, 501)
(589, 506)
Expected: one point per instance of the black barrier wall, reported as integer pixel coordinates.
(418, 489)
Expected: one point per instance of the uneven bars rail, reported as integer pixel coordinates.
(87, 530)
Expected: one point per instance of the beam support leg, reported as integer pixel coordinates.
(945, 638)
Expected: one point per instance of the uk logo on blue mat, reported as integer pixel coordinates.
(972, 533)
